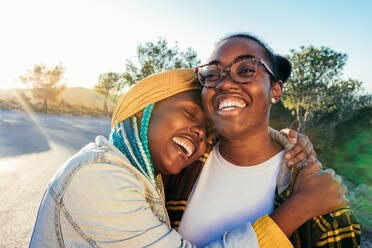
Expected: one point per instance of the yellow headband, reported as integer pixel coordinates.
(154, 88)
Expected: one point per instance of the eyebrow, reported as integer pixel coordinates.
(216, 62)
(244, 56)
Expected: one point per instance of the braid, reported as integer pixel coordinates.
(143, 135)
(134, 145)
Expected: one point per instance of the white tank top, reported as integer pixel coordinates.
(227, 195)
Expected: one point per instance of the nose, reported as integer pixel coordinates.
(199, 131)
(226, 83)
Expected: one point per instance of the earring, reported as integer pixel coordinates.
(273, 101)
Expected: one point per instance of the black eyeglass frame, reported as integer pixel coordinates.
(223, 69)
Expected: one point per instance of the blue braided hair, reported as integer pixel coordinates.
(133, 144)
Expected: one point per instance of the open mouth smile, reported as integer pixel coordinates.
(229, 104)
(186, 145)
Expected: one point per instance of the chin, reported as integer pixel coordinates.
(173, 171)
(169, 169)
(229, 131)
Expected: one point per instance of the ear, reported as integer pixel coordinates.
(276, 91)
(139, 115)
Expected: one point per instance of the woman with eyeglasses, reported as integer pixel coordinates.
(245, 176)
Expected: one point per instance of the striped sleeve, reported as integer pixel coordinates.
(269, 234)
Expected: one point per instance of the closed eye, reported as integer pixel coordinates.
(189, 114)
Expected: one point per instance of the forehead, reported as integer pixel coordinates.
(190, 97)
(228, 50)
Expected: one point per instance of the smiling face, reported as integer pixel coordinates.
(177, 133)
(236, 109)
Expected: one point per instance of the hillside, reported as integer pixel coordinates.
(73, 95)
(85, 97)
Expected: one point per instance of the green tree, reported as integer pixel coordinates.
(45, 83)
(108, 83)
(315, 87)
(155, 57)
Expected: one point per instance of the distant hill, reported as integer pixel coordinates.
(84, 96)
(74, 95)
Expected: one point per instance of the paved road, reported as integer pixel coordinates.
(32, 148)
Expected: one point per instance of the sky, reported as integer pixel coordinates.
(98, 36)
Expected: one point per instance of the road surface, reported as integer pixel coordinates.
(32, 148)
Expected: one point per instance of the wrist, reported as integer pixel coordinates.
(291, 215)
(300, 207)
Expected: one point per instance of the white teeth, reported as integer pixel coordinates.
(228, 108)
(187, 145)
(229, 105)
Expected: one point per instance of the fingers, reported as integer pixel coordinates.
(343, 189)
(331, 171)
(302, 141)
(344, 200)
(291, 135)
(312, 168)
(285, 131)
(312, 158)
(293, 151)
(338, 179)
(307, 152)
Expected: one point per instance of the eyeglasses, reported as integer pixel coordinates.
(242, 70)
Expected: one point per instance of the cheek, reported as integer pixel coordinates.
(202, 149)
(153, 142)
(260, 92)
(161, 130)
(152, 130)
(207, 95)
(155, 136)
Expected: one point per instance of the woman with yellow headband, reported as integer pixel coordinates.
(110, 193)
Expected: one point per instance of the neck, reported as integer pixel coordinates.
(252, 148)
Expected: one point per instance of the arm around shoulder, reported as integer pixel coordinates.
(107, 206)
